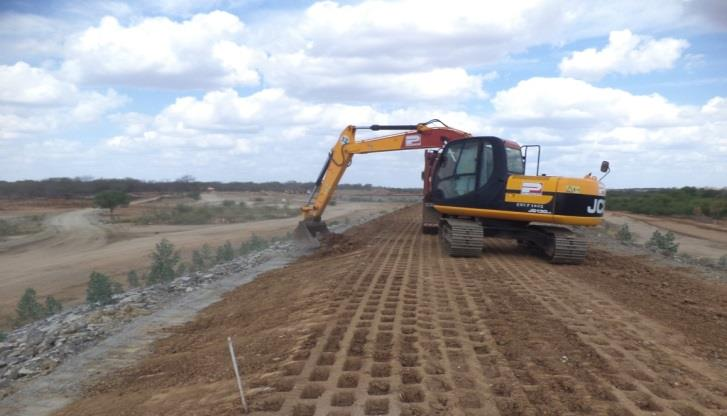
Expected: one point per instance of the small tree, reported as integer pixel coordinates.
(132, 278)
(29, 309)
(663, 243)
(197, 261)
(52, 306)
(164, 260)
(206, 253)
(722, 262)
(225, 252)
(255, 243)
(2, 336)
(100, 289)
(624, 234)
(111, 199)
(182, 269)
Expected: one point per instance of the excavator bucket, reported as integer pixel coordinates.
(308, 231)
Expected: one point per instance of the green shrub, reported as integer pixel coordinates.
(225, 252)
(624, 234)
(182, 269)
(164, 260)
(100, 289)
(52, 306)
(228, 203)
(111, 200)
(722, 262)
(3, 336)
(197, 261)
(255, 243)
(28, 308)
(663, 243)
(132, 278)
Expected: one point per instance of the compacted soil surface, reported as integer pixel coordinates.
(379, 321)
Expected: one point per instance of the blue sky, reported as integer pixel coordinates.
(259, 90)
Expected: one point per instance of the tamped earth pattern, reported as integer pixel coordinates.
(381, 322)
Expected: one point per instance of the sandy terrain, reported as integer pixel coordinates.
(380, 322)
(695, 238)
(59, 260)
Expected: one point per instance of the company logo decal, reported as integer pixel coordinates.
(531, 188)
(598, 206)
(412, 140)
(573, 189)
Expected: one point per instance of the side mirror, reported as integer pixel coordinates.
(604, 166)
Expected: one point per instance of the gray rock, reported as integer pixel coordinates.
(23, 372)
(37, 348)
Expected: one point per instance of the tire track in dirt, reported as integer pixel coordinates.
(330, 379)
(414, 332)
(661, 377)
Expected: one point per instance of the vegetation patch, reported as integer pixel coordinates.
(28, 224)
(29, 309)
(227, 213)
(672, 201)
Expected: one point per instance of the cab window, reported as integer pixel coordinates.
(488, 163)
(514, 161)
(457, 174)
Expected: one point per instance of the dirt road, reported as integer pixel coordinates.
(58, 260)
(380, 322)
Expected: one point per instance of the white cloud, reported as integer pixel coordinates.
(269, 135)
(648, 139)
(570, 102)
(334, 79)
(625, 53)
(34, 101)
(204, 51)
(92, 105)
(23, 84)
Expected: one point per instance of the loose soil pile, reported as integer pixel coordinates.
(384, 323)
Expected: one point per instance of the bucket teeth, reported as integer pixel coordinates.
(308, 231)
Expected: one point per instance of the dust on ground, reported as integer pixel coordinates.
(392, 326)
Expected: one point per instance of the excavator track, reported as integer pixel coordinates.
(461, 238)
(564, 247)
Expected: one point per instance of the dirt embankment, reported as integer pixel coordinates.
(58, 260)
(383, 323)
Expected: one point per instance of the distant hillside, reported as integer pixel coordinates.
(670, 201)
(77, 187)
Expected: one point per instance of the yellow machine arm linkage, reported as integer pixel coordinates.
(418, 136)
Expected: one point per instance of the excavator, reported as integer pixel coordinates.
(474, 187)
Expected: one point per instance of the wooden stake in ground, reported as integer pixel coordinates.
(237, 375)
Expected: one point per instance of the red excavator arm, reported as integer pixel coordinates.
(419, 136)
